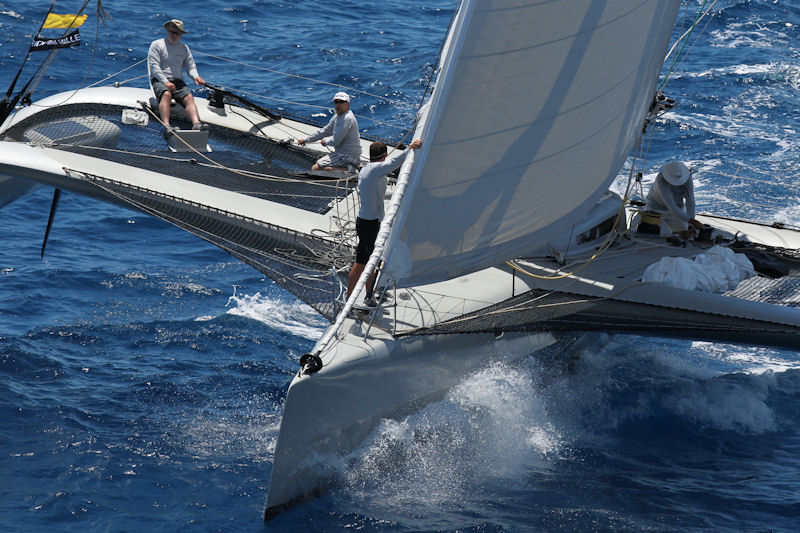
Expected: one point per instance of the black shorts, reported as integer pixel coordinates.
(367, 231)
(181, 89)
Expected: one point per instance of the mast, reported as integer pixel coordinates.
(311, 362)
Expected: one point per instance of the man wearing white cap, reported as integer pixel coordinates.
(341, 133)
(672, 195)
(166, 61)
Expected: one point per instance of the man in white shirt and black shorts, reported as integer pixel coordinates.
(371, 191)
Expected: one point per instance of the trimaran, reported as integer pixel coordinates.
(501, 237)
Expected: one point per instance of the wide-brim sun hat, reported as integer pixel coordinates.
(675, 172)
(177, 24)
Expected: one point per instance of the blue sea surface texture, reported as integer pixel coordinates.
(143, 370)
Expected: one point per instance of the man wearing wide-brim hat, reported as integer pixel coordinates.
(166, 61)
(672, 195)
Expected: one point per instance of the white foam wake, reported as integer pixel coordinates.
(294, 317)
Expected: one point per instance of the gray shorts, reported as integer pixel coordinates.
(338, 160)
(181, 89)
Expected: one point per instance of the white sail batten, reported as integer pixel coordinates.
(535, 111)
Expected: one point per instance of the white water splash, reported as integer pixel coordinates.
(751, 34)
(494, 425)
(294, 317)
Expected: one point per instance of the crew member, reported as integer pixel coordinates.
(166, 60)
(371, 191)
(341, 133)
(672, 195)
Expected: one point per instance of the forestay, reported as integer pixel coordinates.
(536, 108)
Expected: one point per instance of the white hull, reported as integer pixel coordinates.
(331, 412)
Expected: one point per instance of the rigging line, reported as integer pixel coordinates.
(123, 82)
(643, 158)
(287, 74)
(525, 307)
(292, 131)
(120, 72)
(430, 295)
(91, 62)
(277, 125)
(246, 173)
(697, 38)
(730, 183)
(682, 40)
(314, 106)
(97, 181)
(229, 169)
(22, 66)
(603, 247)
(748, 178)
(331, 335)
(429, 81)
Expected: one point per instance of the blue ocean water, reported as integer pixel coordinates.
(142, 371)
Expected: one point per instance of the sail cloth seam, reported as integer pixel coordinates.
(428, 118)
(620, 213)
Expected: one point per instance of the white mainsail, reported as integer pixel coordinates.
(535, 111)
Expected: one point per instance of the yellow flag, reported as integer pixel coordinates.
(63, 21)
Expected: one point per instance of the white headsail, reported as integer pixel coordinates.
(537, 107)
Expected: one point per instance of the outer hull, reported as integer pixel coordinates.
(363, 381)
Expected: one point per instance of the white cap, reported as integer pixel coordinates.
(675, 172)
(341, 96)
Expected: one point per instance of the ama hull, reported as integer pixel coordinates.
(361, 382)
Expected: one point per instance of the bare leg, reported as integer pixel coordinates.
(317, 167)
(191, 109)
(164, 106)
(352, 279)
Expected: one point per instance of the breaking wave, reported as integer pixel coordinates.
(293, 317)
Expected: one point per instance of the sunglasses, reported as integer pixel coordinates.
(340, 101)
(174, 32)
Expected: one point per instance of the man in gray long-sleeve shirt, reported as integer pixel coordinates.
(342, 134)
(166, 61)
